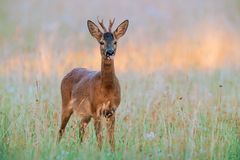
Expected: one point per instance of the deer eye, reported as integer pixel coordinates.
(115, 42)
(102, 43)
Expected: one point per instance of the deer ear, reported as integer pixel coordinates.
(94, 30)
(121, 29)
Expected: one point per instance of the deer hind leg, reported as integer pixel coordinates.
(98, 130)
(83, 124)
(110, 131)
(66, 114)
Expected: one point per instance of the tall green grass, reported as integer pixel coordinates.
(164, 115)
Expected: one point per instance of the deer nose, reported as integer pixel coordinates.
(110, 52)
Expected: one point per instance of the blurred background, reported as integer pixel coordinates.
(45, 38)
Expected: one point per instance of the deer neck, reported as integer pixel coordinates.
(108, 73)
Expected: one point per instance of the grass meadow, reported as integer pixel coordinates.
(161, 116)
(179, 79)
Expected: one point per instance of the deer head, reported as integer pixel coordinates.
(106, 38)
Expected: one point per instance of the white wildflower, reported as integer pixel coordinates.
(149, 136)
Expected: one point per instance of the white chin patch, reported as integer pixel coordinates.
(110, 57)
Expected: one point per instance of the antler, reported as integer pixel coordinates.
(101, 24)
(111, 24)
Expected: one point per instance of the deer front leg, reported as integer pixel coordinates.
(110, 131)
(98, 130)
(83, 124)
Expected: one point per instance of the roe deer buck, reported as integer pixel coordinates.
(94, 94)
